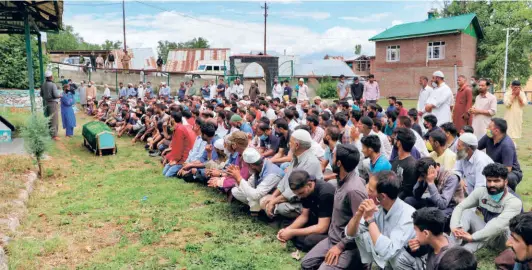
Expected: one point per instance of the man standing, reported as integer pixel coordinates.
(51, 96)
(99, 61)
(371, 90)
(238, 88)
(515, 101)
(464, 101)
(357, 91)
(439, 102)
(220, 89)
(122, 91)
(110, 60)
(277, 90)
(91, 91)
(213, 93)
(163, 90)
(287, 95)
(496, 204)
(159, 64)
(302, 96)
(484, 109)
(470, 162)
(341, 88)
(501, 149)
(317, 198)
(125, 61)
(424, 95)
(337, 251)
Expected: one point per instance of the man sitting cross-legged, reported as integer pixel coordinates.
(317, 197)
(337, 251)
(264, 178)
(497, 205)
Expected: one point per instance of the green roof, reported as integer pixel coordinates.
(431, 27)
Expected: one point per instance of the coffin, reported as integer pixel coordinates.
(99, 138)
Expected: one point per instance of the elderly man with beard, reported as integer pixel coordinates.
(497, 205)
(337, 251)
(470, 162)
(264, 178)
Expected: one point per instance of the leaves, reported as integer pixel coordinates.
(36, 134)
(163, 47)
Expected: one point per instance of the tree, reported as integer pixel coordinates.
(163, 47)
(67, 39)
(358, 49)
(194, 43)
(14, 72)
(37, 140)
(494, 17)
(111, 45)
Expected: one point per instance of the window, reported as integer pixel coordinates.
(392, 53)
(201, 67)
(216, 68)
(436, 50)
(209, 67)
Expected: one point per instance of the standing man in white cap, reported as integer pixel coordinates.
(302, 96)
(440, 101)
(51, 96)
(470, 162)
(264, 178)
(277, 91)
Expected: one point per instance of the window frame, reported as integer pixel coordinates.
(430, 50)
(391, 49)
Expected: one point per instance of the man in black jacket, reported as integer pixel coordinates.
(357, 89)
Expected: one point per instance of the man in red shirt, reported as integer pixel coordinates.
(182, 141)
(400, 109)
(464, 101)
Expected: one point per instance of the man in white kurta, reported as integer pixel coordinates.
(440, 101)
(424, 95)
(515, 101)
(484, 109)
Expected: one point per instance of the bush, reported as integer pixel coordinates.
(327, 88)
(37, 140)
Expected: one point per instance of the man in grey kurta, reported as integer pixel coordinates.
(51, 96)
(337, 251)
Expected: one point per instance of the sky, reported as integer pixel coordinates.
(309, 29)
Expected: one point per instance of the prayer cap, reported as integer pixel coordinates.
(302, 135)
(251, 155)
(219, 144)
(469, 138)
(438, 73)
(48, 73)
(236, 118)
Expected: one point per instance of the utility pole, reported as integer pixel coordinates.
(265, 7)
(506, 56)
(124, 22)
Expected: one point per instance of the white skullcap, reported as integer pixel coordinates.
(48, 73)
(438, 73)
(251, 155)
(302, 80)
(302, 135)
(469, 138)
(219, 144)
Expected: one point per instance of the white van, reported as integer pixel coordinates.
(208, 70)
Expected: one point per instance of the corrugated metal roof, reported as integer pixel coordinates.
(323, 68)
(431, 27)
(183, 60)
(47, 16)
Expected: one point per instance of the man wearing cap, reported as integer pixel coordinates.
(91, 90)
(470, 162)
(337, 251)
(317, 198)
(265, 176)
(51, 95)
(302, 92)
(515, 101)
(283, 201)
(372, 91)
(277, 90)
(440, 100)
(357, 91)
(484, 109)
(341, 88)
(236, 121)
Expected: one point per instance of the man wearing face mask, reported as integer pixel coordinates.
(497, 205)
(264, 177)
(382, 224)
(470, 162)
(484, 109)
(501, 149)
(337, 251)
(269, 142)
(440, 100)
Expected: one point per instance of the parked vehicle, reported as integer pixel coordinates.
(208, 70)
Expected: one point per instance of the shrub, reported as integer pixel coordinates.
(327, 88)
(37, 140)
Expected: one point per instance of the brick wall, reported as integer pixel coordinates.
(401, 78)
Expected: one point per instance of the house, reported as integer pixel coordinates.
(405, 52)
(361, 65)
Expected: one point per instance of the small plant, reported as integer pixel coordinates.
(37, 140)
(327, 88)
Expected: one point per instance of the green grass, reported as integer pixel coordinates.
(89, 214)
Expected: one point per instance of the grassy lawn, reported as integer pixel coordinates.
(119, 212)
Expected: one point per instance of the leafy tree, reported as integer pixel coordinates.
(37, 140)
(67, 39)
(194, 43)
(494, 17)
(14, 73)
(111, 45)
(327, 88)
(163, 47)
(358, 49)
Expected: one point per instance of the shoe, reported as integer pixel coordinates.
(155, 154)
(56, 138)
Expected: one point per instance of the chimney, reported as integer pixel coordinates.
(431, 14)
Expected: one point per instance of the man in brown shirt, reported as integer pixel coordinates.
(336, 251)
(125, 60)
(464, 101)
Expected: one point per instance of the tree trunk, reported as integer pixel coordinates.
(39, 163)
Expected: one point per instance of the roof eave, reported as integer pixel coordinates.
(416, 36)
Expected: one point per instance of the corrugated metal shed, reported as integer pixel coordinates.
(323, 68)
(183, 60)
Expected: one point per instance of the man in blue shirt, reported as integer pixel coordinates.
(391, 102)
(164, 91)
(193, 157)
(221, 88)
(236, 121)
(371, 147)
(131, 92)
(122, 91)
(196, 171)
